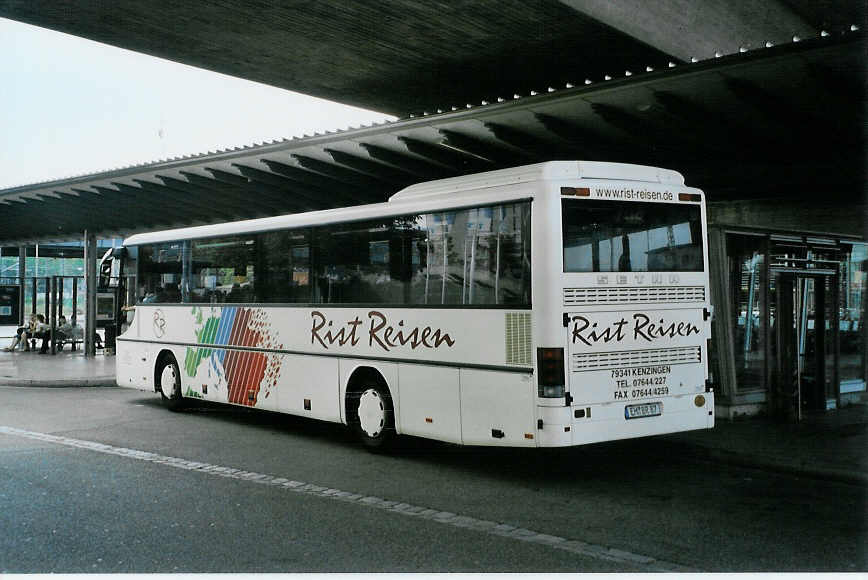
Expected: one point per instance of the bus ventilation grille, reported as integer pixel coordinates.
(518, 339)
(633, 294)
(599, 361)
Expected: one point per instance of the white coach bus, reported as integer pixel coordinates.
(548, 305)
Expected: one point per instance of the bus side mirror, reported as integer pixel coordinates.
(109, 266)
(105, 267)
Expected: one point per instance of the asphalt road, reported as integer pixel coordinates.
(106, 480)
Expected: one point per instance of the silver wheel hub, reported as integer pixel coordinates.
(167, 381)
(372, 413)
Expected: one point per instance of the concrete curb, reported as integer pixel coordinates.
(705, 453)
(107, 381)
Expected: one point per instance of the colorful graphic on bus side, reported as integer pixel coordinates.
(243, 373)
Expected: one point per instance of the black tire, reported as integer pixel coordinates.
(372, 416)
(168, 379)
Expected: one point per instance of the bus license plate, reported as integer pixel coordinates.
(643, 410)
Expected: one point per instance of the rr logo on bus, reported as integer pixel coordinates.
(159, 323)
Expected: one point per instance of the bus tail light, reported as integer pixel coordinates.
(550, 364)
(579, 191)
(689, 197)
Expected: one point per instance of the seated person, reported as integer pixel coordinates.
(42, 331)
(67, 331)
(171, 293)
(23, 334)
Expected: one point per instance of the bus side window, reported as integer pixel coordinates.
(284, 264)
(159, 271)
(223, 270)
(479, 256)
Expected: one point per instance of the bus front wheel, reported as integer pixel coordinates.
(169, 383)
(374, 421)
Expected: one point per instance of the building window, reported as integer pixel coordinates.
(747, 284)
(852, 323)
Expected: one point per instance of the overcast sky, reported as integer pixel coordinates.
(69, 106)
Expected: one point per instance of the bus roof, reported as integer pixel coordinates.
(550, 170)
(429, 196)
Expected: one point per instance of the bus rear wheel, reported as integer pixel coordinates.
(375, 419)
(169, 383)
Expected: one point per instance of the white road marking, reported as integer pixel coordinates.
(460, 521)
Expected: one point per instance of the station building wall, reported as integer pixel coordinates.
(753, 243)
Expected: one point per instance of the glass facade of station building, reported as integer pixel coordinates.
(789, 330)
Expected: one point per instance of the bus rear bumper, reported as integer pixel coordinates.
(594, 423)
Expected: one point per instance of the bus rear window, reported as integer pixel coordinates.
(618, 236)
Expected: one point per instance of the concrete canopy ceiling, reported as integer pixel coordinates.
(780, 113)
(406, 56)
(773, 123)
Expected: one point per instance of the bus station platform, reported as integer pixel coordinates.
(831, 445)
(67, 368)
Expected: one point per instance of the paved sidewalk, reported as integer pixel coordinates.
(65, 369)
(831, 445)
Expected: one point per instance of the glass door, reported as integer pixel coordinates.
(805, 343)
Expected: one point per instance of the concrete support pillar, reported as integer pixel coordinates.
(54, 282)
(722, 337)
(22, 272)
(90, 283)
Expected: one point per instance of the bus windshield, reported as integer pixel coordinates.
(614, 236)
